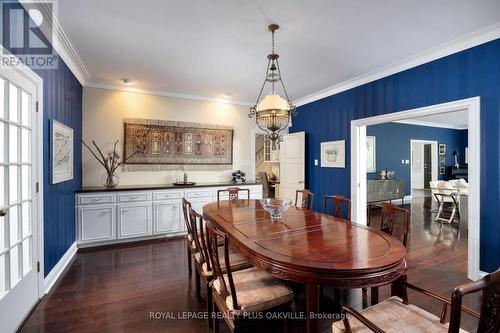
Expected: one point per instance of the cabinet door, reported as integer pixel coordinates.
(167, 217)
(96, 223)
(198, 204)
(134, 220)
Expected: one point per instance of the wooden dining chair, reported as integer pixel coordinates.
(339, 203)
(396, 313)
(267, 190)
(233, 193)
(388, 215)
(186, 206)
(237, 294)
(307, 199)
(202, 260)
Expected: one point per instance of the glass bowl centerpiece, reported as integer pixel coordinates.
(275, 207)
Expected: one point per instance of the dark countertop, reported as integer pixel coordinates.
(157, 187)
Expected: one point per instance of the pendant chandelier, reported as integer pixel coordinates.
(273, 112)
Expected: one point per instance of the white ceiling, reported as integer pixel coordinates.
(214, 48)
(454, 120)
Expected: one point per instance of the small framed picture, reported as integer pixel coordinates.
(442, 149)
(333, 154)
(62, 152)
(371, 154)
(442, 170)
(442, 160)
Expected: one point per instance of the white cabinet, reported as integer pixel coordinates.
(167, 217)
(115, 216)
(96, 223)
(134, 220)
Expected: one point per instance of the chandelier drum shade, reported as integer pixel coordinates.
(273, 112)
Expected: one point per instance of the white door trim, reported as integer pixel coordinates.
(358, 166)
(38, 82)
(435, 162)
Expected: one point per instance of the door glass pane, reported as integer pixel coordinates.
(13, 188)
(2, 186)
(13, 144)
(13, 105)
(2, 233)
(26, 255)
(25, 182)
(25, 109)
(14, 265)
(26, 218)
(2, 276)
(25, 146)
(2, 146)
(13, 224)
(2, 98)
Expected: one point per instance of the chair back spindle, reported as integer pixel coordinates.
(233, 193)
(307, 199)
(214, 236)
(200, 236)
(388, 218)
(186, 206)
(339, 202)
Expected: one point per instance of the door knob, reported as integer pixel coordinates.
(3, 212)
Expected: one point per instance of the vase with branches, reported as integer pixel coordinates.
(110, 161)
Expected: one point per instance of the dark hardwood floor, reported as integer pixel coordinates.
(119, 288)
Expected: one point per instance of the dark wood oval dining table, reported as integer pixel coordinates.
(309, 248)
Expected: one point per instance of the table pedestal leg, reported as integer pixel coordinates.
(312, 307)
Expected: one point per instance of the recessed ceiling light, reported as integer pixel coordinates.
(127, 82)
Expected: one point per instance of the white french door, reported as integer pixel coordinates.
(18, 172)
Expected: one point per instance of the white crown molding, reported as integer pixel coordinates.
(157, 92)
(62, 44)
(430, 124)
(479, 37)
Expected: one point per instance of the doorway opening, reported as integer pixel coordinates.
(451, 162)
(423, 167)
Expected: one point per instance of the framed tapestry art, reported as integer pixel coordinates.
(62, 152)
(170, 145)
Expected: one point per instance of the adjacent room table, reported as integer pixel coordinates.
(310, 248)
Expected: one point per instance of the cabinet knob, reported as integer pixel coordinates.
(3, 212)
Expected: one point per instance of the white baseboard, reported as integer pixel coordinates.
(407, 198)
(482, 274)
(56, 272)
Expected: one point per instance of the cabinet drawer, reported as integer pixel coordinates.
(157, 196)
(134, 197)
(96, 199)
(206, 193)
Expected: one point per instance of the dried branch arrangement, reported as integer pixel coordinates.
(111, 161)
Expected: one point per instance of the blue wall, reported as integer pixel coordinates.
(62, 101)
(393, 145)
(470, 73)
